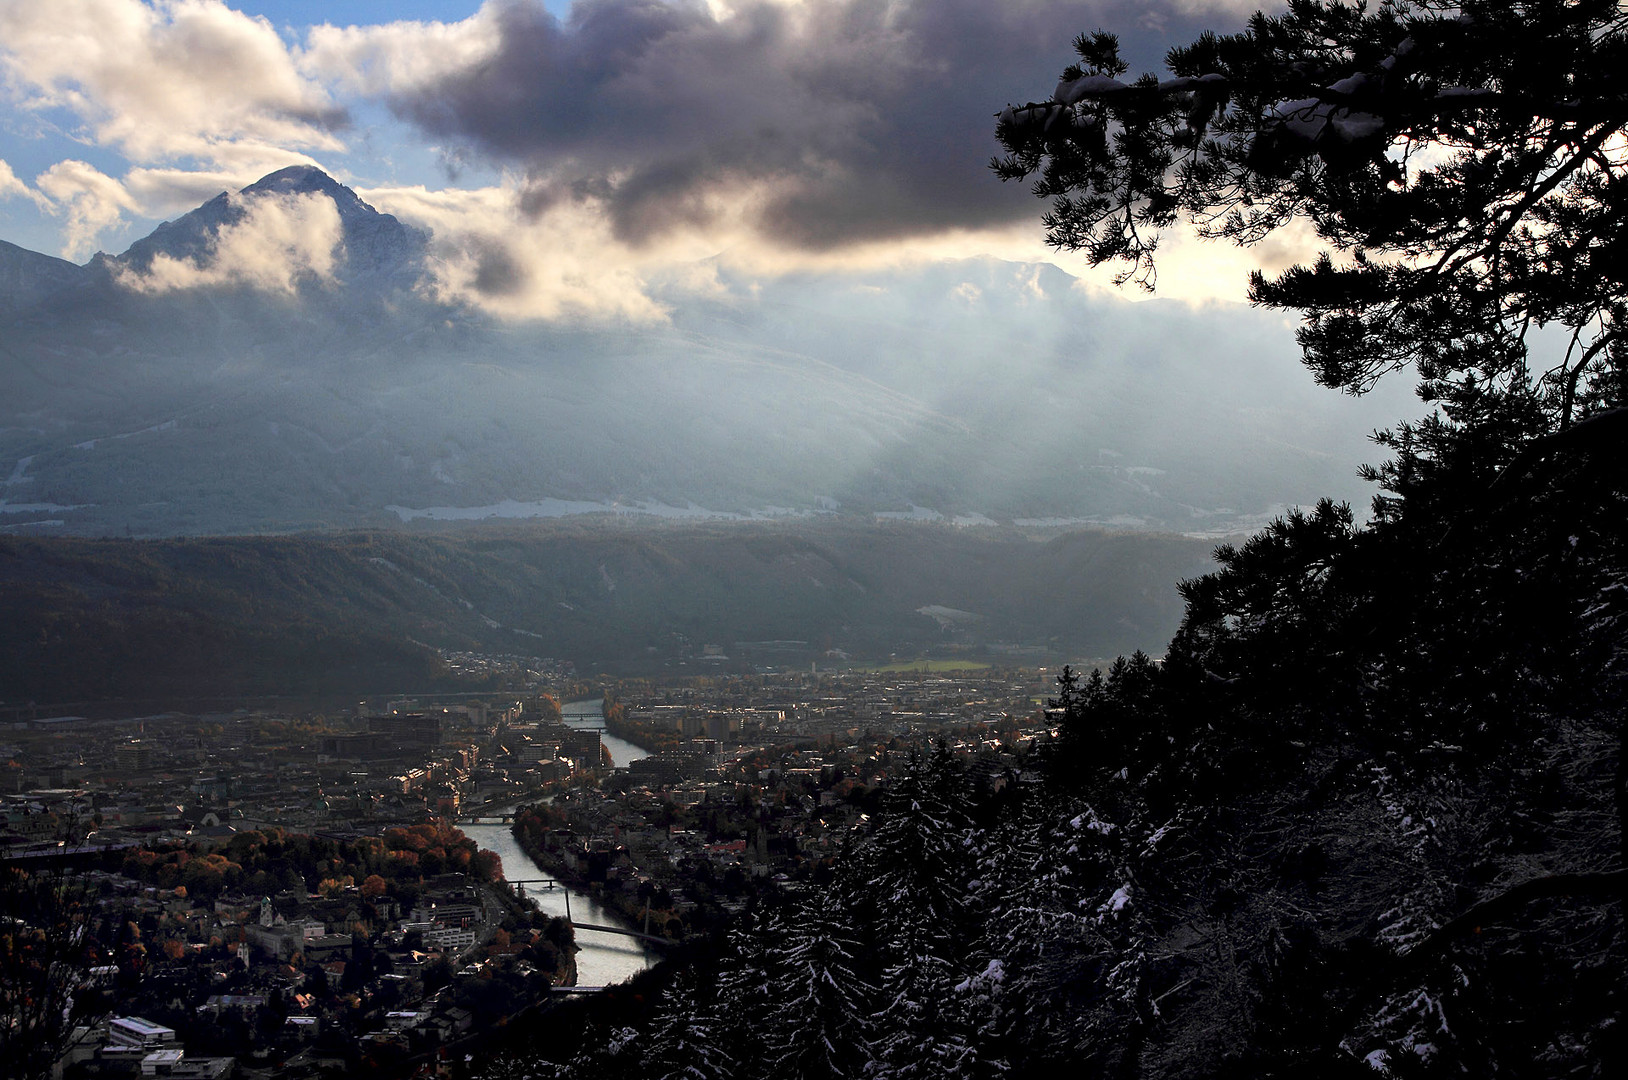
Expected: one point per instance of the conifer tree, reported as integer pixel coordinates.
(1461, 161)
(921, 1028)
(906, 880)
(824, 1002)
(606, 1054)
(683, 1041)
(752, 965)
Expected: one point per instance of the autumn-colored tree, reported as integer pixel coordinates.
(486, 866)
(43, 956)
(332, 886)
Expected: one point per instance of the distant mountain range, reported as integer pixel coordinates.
(190, 385)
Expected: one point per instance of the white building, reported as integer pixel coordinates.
(134, 1031)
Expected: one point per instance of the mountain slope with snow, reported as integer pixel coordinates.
(271, 361)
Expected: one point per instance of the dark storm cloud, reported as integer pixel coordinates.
(868, 119)
(497, 271)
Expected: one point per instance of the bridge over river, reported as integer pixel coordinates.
(605, 958)
(550, 884)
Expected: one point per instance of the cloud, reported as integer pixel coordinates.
(635, 137)
(399, 57)
(13, 188)
(516, 253)
(167, 80)
(491, 253)
(854, 121)
(170, 192)
(281, 242)
(89, 200)
(524, 250)
(1198, 271)
(10, 186)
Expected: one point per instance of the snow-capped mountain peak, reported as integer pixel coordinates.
(372, 247)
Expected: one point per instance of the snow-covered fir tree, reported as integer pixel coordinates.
(822, 1028)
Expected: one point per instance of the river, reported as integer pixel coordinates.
(602, 959)
(580, 714)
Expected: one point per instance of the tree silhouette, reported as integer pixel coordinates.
(823, 1028)
(1461, 161)
(1463, 166)
(44, 957)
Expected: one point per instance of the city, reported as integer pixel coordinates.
(281, 895)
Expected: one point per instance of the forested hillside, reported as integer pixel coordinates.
(91, 620)
(1364, 819)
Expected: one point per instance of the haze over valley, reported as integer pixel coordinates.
(167, 390)
(867, 463)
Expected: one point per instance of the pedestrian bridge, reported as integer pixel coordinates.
(488, 819)
(550, 884)
(648, 939)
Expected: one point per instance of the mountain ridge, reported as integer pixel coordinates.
(355, 400)
(365, 611)
(373, 243)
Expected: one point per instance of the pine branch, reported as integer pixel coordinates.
(1496, 910)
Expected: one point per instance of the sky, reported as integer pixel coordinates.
(566, 153)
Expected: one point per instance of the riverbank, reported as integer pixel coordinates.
(543, 832)
(591, 713)
(648, 736)
(601, 959)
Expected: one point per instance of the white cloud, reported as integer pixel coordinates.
(89, 200)
(165, 80)
(1200, 271)
(1236, 8)
(561, 264)
(169, 192)
(491, 251)
(13, 188)
(280, 242)
(519, 251)
(737, 131)
(852, 121)
(394, 57)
